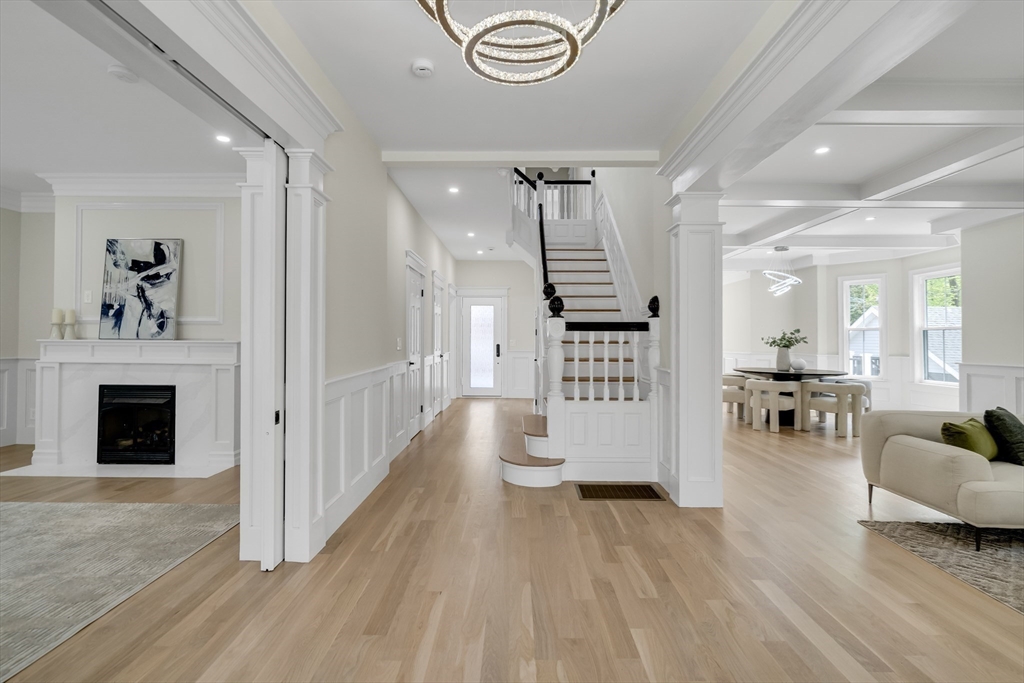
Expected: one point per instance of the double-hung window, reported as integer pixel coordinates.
(862, 307)
(938, 336)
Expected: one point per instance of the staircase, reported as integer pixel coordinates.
(594, 412)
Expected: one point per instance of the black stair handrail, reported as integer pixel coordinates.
(556, 306)
(523, 177)
(549, 289)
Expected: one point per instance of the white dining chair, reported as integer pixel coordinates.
(734, 392)
(766, 394)
(840, 398)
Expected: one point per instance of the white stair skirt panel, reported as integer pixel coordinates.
(531, 477)
(537, 446)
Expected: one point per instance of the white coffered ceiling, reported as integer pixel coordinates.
(936, 145)
(61, 112)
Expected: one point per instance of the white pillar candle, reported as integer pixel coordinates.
(70, 317)
(58, 316)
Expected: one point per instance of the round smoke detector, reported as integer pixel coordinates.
(122, 73)
(423, 68)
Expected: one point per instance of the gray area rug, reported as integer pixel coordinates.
(997, 570)
(64, 565)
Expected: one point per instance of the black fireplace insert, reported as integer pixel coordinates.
(136, 425)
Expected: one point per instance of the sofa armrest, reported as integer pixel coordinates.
(928, 472)
(879, 425)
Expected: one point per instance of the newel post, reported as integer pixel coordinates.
(653, 394)
(556, 363)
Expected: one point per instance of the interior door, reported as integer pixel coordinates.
(438, 374)
(414, 344)
(482, 332)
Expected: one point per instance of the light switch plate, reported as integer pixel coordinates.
(399, 344)
(87, 296)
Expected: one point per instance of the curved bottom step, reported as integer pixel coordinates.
(532, 477)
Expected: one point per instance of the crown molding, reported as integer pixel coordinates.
(144, 184)
(240, 29)
(803, 25)
(26, 202)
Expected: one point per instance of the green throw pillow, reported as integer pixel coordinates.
(1008, 433)
(971, 435)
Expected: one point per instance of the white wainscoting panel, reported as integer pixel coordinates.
(27, 401)
(606, 441)
(987, 386)
(8, 401)
(668, 475)
(519, 372)
(365, 427)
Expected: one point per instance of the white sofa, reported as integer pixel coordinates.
(902, 452)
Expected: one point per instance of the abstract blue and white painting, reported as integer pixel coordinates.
(140, 289)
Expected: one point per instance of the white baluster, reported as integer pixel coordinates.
(622, 364)
(576, 364)
(590, 368)
(635, 348)
(607, 338)
(556, 356)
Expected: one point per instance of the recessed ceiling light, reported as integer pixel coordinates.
(122, 73)
(471, 234)
(453, 190)
(821, 150)
(223, 138)
(479, 252)
(870, 218)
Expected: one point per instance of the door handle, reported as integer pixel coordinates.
(498, 351)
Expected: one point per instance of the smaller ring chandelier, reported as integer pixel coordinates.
(779, 273)
(545, 56)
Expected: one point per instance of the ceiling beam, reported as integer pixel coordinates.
(972, 150)
(854, 204)
(797, 193)
(784, 225)
(856, 241)
(970, 219)
(509, 158)
(804, 73)
(947, 118)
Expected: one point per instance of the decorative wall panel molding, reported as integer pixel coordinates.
(217, 207)
(519, 374)
(145, 184)
(987, 386)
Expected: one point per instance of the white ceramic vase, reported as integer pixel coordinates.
(782, 360)
(798, 364)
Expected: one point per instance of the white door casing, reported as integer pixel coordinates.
(415, 273)
(451, 381)
(486, 352)
(437, 376)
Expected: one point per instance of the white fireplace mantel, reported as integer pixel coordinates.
(68, 375)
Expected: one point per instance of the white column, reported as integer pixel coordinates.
(555, 333)
(305, 533)
(696, 243)
(262, 348)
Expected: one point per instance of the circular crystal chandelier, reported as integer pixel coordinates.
(548, 54)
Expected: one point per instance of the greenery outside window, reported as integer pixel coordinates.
(939, 333)
(862, 310)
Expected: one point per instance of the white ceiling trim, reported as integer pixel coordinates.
(240, 29)
(144, 184)
(857, 241)
(871, 204)
(970, 219)
(801, 27)
(947, 118)
(485, 159)
(26, 202)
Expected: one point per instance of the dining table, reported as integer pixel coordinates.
(786, 417)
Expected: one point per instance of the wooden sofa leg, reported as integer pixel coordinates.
(871, 492)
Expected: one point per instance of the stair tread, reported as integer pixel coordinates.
(598, 380)
(598, 361)
(513, 451)
(535, 425)
(574, 260)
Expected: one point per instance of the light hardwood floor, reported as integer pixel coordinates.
(446, 573)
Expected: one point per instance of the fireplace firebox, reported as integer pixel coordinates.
(136, 425)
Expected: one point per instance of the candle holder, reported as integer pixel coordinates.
(55, 331)
(69, 331)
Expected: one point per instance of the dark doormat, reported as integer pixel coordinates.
(617, 491)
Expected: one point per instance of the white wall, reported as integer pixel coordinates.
(993, 292)
(992, 372)
(736, 316)
(36, 292)
(10, 256)
(209, 294)
(522, 299)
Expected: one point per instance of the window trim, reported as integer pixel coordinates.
(917, 303)
(883, 328)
